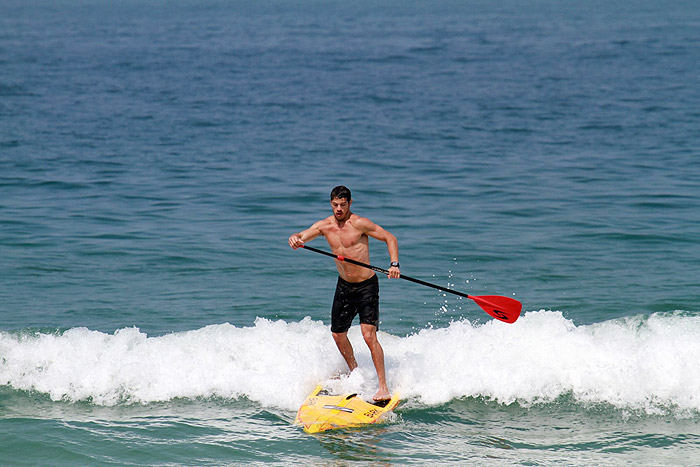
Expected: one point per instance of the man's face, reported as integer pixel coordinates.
(341, 208)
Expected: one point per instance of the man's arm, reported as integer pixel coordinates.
(298, 239)
(379, 233)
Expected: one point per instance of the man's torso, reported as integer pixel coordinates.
(347, 239)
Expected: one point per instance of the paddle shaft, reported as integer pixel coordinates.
(385, 271)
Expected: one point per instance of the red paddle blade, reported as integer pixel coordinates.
(502, 308)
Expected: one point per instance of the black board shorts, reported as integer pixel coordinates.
(353, 298)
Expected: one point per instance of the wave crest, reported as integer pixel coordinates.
(640, 362)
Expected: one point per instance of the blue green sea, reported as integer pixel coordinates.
(156, 155)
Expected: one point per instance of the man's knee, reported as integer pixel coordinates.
(340, 336)
(369, 333)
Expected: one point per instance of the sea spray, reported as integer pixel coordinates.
(270, 363)
(642, 362)
(646, 363)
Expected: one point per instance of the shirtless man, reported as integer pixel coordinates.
(358, 288)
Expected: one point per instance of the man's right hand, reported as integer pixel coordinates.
(295, 241)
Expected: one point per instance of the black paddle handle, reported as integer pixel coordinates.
(385, 271)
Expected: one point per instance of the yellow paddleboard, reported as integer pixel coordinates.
(323, 411)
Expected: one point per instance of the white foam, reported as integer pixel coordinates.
(270, 362)
(639, 362)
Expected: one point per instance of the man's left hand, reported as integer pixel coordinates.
(394, 273)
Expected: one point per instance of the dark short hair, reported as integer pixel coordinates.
(341, 192)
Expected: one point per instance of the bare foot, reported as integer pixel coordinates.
(382, 395)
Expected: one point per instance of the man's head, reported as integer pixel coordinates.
(341, 199)
(341, 192)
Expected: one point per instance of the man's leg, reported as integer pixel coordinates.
(345, 347)
(369, 332)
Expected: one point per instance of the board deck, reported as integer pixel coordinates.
(323, 411)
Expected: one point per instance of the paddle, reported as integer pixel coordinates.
(502, 308)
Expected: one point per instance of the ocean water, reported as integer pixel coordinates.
(155, 156)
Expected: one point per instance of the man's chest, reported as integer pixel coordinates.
(344, 237)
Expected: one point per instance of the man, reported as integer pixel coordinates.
(358, 288)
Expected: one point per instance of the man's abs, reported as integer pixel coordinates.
(352, 273)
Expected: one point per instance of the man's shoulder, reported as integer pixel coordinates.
(361, 223)
(324, 223)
